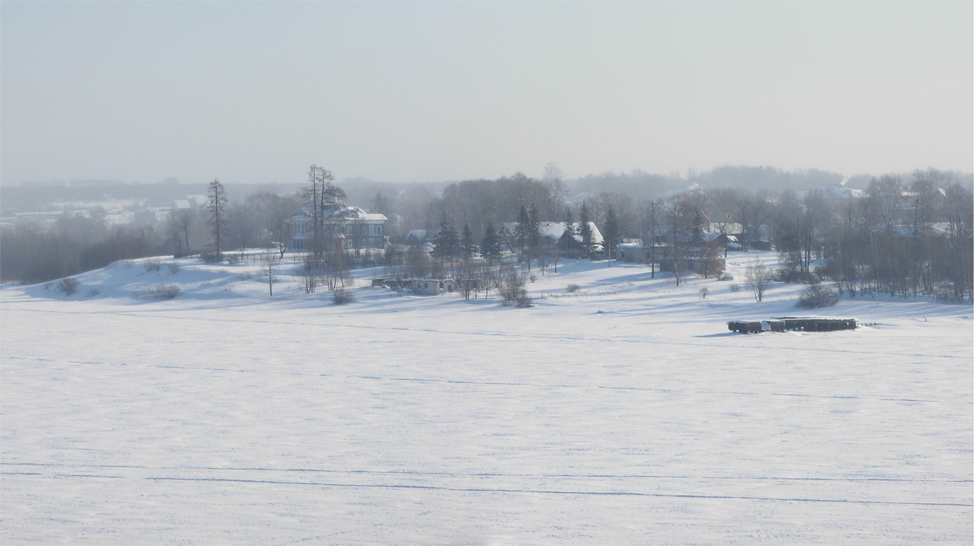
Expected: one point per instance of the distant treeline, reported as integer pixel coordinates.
(36, 196)
(76, 244)
(901, 235)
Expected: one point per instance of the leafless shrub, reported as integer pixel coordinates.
(94, 291)
(341, 296)
(165, 291)
(945, 293)
(232, 259)
(818, 295)
(572, 288)
(152, 264)
(703, 292)
(512, 288)
(173, 267)
(312, 268)
(735, 287)
(67, 286)
(792, 275)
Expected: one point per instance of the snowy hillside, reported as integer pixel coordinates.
(623, 413)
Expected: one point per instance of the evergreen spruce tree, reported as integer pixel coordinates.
(490, 246)
(697, 229)
(567, 241)
(611, 232)
(522, 231)
(446, 243)
(217, 208)
(585, 230)
(466, 243)
(534, 234)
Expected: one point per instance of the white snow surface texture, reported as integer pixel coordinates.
(625, 413)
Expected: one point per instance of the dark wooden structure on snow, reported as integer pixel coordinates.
(795, 324)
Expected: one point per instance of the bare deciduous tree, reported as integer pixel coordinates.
(758, 279)
(268, 258)
(512, 288)
(652, 225)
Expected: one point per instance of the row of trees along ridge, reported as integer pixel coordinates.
(901, 236)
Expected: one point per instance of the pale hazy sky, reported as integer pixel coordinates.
(256, 92)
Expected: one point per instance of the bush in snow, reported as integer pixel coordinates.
(948, 293)
(342, 296)
(512, 289)
(152, 264)
(173, 267)
(572, 288)
(703, 292)
(165, 291)
(792, 275)
(67, 286)
(818, 295)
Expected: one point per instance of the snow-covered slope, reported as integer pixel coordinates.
(622, 413)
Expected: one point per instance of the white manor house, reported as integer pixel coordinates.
(349, 226)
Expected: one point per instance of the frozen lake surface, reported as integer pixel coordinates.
(623, 414)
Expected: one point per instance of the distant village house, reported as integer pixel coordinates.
(346, 226)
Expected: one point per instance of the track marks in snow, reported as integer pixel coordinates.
(430, 473)
(567, 492)
(518, 337)
(434, 380)
(513, 490)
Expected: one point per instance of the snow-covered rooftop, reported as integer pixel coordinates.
(554, 231)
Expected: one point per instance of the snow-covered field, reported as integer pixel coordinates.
(623, 414)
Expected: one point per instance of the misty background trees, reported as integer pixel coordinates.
(898, 234)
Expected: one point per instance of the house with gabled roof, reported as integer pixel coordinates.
(344, 226)
(551, 233)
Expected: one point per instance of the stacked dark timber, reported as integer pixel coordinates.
(744, 327)
(796, 324)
